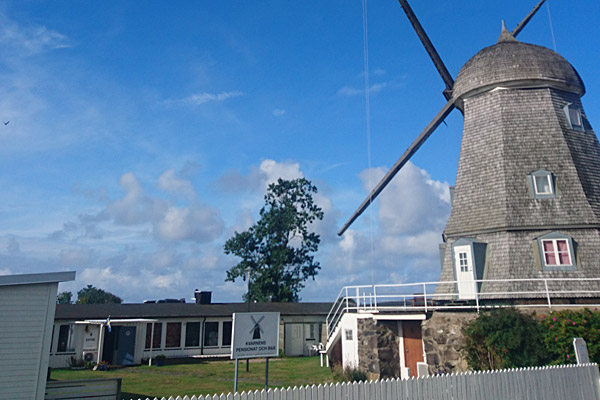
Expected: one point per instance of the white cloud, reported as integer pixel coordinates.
(196, 224)
(136, 207)
(278, 112)
(259, 177)
(412, 202)
(29, 40)
(169, 182)
(350, 91)
(203, 98)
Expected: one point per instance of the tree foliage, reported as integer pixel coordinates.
(504, 338)
(64, 298)
(92, 295)
(279, 248)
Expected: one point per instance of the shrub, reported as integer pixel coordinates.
(559, 329)
(504, 338)
(349, 374)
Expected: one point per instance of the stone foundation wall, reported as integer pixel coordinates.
(378, 348)
(444, 341)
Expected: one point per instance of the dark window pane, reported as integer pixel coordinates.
(192, 334)
(173, 334)
(63, 338)
(211, 334)
(157, 335)
(227, 333)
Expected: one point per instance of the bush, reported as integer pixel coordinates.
(504, 338)
(349, 374)
(561, 327)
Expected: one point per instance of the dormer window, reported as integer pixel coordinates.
(573, 115)
(556, 252)
(542, 184)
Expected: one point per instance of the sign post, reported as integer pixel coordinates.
(255, 335)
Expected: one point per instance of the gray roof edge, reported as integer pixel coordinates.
(28, 279)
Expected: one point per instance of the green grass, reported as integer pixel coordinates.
(207, 377)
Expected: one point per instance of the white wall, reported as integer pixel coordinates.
(26, 316)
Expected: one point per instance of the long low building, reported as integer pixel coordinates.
(127, 334)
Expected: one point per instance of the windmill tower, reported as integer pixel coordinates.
(527, 198)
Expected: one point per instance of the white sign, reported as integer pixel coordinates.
(90, 337)
(255, 335)
(581, 351)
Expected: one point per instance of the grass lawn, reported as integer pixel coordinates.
(207, 377)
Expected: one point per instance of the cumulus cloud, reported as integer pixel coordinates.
(196, 224)
(259, 177)
(411, 202)
(198, 99)
(169, 182)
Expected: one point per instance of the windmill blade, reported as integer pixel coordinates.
(527, 18)
(400, 163)
(433, 54)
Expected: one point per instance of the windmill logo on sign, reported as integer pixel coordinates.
(256, 329)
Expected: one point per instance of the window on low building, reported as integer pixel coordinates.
(192, 334)
(573, 115)
(556, 252)
(348, 334)
(173, 338)
(157, 335)
(227, 333)
(542, 184)
(65, 338)
(211, 334)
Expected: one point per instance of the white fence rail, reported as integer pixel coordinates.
(565, 382)
(443, 295)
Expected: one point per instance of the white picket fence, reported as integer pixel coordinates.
(563, 382)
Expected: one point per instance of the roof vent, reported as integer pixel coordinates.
(202, 297)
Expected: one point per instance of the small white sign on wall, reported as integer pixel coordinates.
(255, 335)
(90, 337)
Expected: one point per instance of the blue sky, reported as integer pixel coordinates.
(141, 135)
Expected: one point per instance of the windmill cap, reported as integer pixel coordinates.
(513, 64)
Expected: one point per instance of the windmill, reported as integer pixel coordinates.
(256, 329)
(527, 199)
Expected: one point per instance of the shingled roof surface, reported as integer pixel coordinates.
(182, 310)
(515, 63)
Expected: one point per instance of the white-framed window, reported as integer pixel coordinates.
(65, 339)
(574, 118)
(556, 252)
(348, 334)
(542, 184)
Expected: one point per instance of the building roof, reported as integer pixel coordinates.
(30, 279)
(511, 63)
(183, 310)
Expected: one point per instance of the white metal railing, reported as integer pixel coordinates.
(444, 295)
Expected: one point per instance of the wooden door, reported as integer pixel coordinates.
(413, 345)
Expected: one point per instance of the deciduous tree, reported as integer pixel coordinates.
(90, 294)
(279, 248)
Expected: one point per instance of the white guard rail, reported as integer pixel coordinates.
(444, 295)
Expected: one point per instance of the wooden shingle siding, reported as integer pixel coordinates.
(26, 314)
